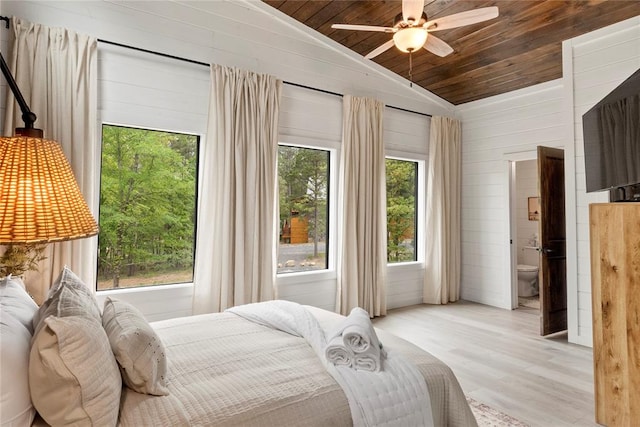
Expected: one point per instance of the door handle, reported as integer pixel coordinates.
(546, 250)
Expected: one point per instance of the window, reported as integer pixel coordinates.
(402, 178)
(147, 207)
(303, 181)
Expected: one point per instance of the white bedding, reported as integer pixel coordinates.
(396, 396)
(225, 370)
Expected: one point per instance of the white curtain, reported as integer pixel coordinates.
(362, 257)
(56, 71)
(237, 218)
(442, 265)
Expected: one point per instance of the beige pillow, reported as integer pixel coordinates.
(137, 348)
(68, 296)
(73, 376)
(68, 278)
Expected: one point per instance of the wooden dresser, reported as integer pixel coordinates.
(615, 284)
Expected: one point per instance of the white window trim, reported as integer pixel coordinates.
(144, 288)
(328, 273)
(421, 160)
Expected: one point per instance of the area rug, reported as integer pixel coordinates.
(490, 417)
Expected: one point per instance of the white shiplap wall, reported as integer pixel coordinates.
(140, 89)
(593, 65)
(246, 34)
(495, 131)
(510, 126)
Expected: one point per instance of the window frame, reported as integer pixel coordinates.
(201, 140)
(328, 273)
(420, 222)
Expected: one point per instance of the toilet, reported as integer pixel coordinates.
(527, 280)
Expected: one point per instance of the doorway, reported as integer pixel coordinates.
(526, 238)
(537, 226)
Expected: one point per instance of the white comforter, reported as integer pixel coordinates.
(397, 396)
(226, 371)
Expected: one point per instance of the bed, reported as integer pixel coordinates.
(215, 369)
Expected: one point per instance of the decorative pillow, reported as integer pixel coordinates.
(68, 278)
(68, 296)
(137, 348)
(73, 376)
(16, 312)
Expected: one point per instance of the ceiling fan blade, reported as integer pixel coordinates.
(362, 28)
(412, 11)
(437, 46)
(382, 48)
(461, 19)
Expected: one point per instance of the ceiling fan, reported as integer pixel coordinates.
(412, 30)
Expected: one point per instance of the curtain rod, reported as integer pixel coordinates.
(204, 64)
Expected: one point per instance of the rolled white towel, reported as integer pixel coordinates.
(359, 337)
(369, 359)
(358, 333)
(337, 353)
(367, 362)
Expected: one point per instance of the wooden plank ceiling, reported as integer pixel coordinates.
(520, 48)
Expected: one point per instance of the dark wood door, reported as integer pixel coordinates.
(553, 260)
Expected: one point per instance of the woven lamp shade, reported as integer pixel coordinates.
(39, 197)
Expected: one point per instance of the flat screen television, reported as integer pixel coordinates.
(612, 142)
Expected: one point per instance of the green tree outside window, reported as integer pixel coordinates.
(147, 207)
(303, 180)
(401, 210)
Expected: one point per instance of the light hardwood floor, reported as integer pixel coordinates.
(501, 360)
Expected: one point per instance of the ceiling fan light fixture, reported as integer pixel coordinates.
(411, 34)
(410, 39)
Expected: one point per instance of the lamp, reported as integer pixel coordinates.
(410, 39)
(40, 201)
